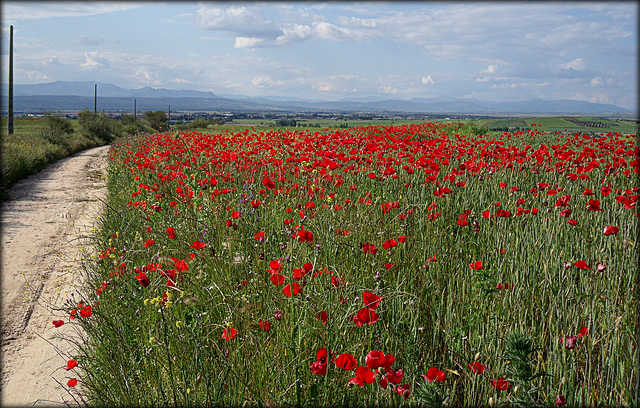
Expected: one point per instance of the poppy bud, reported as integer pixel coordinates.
(570, 342)
(477, 356)
(491, 402)
(600, 267)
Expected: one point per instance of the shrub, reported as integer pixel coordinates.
(57, 129)
(99, 127)
(131, 126)
(157, 120)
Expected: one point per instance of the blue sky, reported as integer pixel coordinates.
(499, 51)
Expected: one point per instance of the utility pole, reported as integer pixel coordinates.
(169, 118)
(10, 105)
(134, 110)
(95, 99)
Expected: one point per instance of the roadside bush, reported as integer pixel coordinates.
(131, 126)
(200, 123)
(99, 127)
(57, 129)
(157, 120)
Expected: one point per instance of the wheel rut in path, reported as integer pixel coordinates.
(46, 225)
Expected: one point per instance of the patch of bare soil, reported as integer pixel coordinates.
(45, 229)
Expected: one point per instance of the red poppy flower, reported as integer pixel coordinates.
(390, 244)
(476, 368)
(291, 290)
(198, 245)
(143, 279)
(299, 273)
(605, 190)
(370, 300)
(561, 400)
(318, 368)
(394, 376)
(72, 382)
(268, 183)
(582, 265)
(368, 248)
(346, 361)
(149, 243)
(376, 359)
(611, 230)
(573, 223)
(402, 238)
(322, 316)
(171, 232)
(71, 364)
(305, 236)
(566, 212)
(277, 279)
(501, 384)
(275, 266)
(58, 323)
(85, 311)
(256, 203)
(229, 334)
(476, 265)
(265, 325)
(588, 192)
(594, 205)
(583, 332)
(365, 375)
(433, 374)
(259, 236)
(404, 390)
(366, 315)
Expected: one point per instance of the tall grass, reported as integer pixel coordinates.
(30, 149)
(476, 308)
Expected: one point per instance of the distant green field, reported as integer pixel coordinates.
(547, 124)
(553, 124)
(28, 126)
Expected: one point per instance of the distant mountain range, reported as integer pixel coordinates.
(65, 95)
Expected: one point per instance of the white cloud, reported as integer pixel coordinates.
(93, 61)
(294, 33)
(265, 82)
(577, 64)
(234, 19)
(15, 11)
(249, 42)
(387, 89)
(51, 61)
(428, 80)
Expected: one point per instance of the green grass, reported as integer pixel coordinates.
(560, 124)
(26, 151)
(160, 345)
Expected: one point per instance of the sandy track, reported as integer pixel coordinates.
(45, 226)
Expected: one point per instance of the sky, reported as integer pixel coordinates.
(497, 51)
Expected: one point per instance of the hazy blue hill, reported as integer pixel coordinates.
(67, 95)
(86, 88)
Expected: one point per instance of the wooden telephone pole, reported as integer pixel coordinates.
(10, 105)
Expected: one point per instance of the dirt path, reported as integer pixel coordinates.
(45, 226)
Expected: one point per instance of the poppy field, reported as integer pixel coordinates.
(371, 266)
